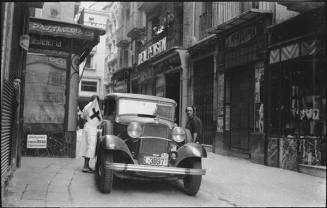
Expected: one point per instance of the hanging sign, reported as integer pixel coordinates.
(152, 51)
(24, 41)
(36, 141)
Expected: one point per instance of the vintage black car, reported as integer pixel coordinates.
(138, 139)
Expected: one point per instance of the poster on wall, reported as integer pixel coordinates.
(45, 86)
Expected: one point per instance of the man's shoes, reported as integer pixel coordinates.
(87, 170)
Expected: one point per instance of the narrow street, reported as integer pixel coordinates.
(229, 182)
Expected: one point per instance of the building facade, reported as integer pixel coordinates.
(14, 45)
(51, 78)
(111, 59)
(93, 78)
(152, 59)
(216, 54)
(296, 91)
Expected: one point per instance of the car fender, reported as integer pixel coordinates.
(190, 150)
(114, 143)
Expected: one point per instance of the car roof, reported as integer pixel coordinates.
(140, 96)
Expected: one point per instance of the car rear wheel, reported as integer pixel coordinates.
(192, 183)
(104, 174)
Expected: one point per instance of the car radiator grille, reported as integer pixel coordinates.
(156, 130)
(150, 146)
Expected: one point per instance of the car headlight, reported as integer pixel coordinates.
(178, 134)
(134, 130)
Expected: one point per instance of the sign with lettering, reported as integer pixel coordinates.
(240, 37)
(66, 31)
(36, 141)
(152, 51)
(48, 42)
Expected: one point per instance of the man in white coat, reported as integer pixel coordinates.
(92, 114)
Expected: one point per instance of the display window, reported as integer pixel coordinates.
(298, 98)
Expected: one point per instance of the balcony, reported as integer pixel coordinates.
(205, 24)
(122, 39)
(135, 26)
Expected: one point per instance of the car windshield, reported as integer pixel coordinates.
(146, 108)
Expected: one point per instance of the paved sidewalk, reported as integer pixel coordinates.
(231, 181)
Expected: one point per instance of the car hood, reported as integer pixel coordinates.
(128, 119)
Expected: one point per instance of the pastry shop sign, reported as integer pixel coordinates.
(152, 51)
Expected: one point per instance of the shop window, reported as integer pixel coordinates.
(227, 102)
(89, 86)
(258, 98)
(89, 62)
(298, 99)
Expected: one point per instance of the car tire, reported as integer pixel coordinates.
(104, 174)
(192, 183)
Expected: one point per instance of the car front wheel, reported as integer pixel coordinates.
(192, 182)
(104, 174)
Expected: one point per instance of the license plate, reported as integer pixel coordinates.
(157, 161)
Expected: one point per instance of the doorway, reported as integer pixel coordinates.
(241, 107)
(173, 90)
(203, 97)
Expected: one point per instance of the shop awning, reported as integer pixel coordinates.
(85, 37)
(239, 20)
(204, 43)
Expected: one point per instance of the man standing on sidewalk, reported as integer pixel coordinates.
(194, 123)
(92, 114)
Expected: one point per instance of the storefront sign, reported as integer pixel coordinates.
(68, 31)
(36, 141)
(47, 42)
(152, 51)
(24, 42)
(240, 37)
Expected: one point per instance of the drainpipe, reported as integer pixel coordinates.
(184, 83)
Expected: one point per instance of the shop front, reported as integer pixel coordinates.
(240, 72)
(203, 78)
(121, 80)
(51, 85)
(296, 104)
(162, 72)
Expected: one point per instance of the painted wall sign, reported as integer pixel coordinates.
(24, 41)
(240, 37)
(152, 51)
(67, 31)
(36, 141)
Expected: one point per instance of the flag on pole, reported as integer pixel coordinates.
(93, 111)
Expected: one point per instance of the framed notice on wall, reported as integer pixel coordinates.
(45, 87)
(36, 141)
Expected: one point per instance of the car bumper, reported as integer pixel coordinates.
(155, 169)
